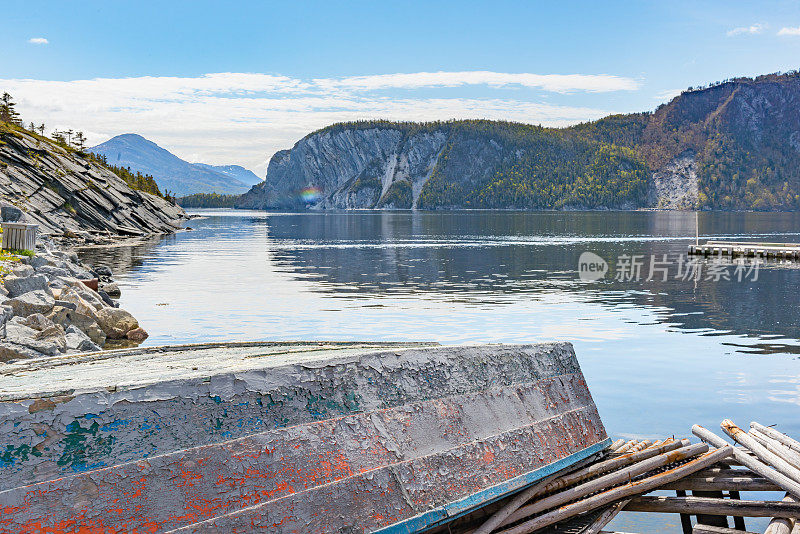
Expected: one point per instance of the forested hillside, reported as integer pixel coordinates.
(732, 145)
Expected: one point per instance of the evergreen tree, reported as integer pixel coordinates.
(8, 112)
(80, 141)
(59, 138)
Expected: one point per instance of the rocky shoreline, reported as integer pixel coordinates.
(52, 304)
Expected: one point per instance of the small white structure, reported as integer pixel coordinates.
(19, 236)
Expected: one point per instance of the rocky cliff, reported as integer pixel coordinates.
(69, 194)
(734, 145)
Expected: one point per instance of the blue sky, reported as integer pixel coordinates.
(233, 82)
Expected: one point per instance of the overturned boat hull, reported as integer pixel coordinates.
(309, 437)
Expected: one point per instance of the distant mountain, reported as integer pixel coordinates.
(734, 145)
(234, 171)
(171, 172)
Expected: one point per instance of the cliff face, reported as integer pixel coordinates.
(68, 194)
(477, 164)
(735, 145)
(351, 168)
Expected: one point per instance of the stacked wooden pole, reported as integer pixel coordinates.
(764, 460)
(775, 457)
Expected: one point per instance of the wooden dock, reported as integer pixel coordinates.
(732, 249)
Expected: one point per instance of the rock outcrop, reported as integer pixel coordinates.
(675, 186)
(70, 195)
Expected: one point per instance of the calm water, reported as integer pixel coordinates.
(659, 355)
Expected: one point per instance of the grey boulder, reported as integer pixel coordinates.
(11, 351)
(37, 301)
(19, 285)
(11, 213)
(111, 289)
(86, 324)
(49, 341)
(22, 270)
(77, 340)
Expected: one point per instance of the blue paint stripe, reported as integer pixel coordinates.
(452, 510)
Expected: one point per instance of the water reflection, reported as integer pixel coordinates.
(480, 258)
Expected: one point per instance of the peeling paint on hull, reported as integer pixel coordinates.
(357, 440)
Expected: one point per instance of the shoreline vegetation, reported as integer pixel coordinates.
(208, 200)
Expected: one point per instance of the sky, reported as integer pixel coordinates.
(233, 82)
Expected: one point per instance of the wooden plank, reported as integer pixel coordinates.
(711, 506)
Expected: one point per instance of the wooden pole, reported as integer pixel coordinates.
(616, 445)
(723, 484)
(712, 520)
(786, 483)
(626, 446)
(604, 518)
(761, 452)
(501, 515)
(774, 447)
(628, 490)
(738, 522)
(708, 505)
(781, 525)
(641, 446)
(554, 483)
(686, 520)
(780, 437)
(606, 481)
(708, 529)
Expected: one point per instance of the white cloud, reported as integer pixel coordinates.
(559, 83)
(789, 31)
(38, 41)
(244, 118)
(747, 30)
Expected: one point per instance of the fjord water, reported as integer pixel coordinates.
(658, 355)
